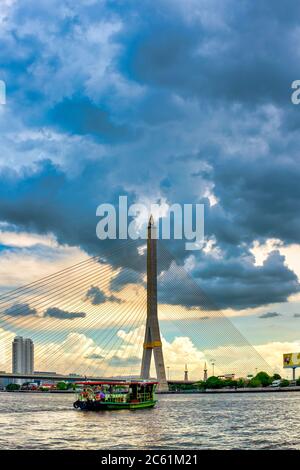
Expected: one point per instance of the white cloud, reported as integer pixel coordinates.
(242, 361)
(177, 353)
(6, 6)
(80, 353)
(24, 264)
(291, 253)
(25, 239)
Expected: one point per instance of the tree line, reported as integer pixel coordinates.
(261, 379)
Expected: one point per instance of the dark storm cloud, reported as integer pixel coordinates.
(259, 198)
(94, 356)
(270, 315)
(124, 361)
(84, 118)
(55, 312)
(96, 296)
(207, 85)
(20, 310)
(234, 62)
(124, 277)
(47, 200)
(66, 208)
(236, 284)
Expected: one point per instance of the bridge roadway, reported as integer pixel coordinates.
(73, 378)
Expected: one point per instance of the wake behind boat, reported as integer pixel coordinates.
(112, 395)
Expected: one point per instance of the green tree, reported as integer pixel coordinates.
(214, 382)
(241, 383)
(254, 382)
(284, 383)
(201, 384)
(230, 383)
(276, 377)
(298, 381)
(71, 386)
(12, 387)
(172, 387)
(263, 378)
(61, 386)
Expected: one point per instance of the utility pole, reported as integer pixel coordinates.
(213, 361)
(205, 372)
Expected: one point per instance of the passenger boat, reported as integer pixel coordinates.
(113, 395)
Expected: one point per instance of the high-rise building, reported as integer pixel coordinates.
(22, 355)
(29, 356)
(17, 355)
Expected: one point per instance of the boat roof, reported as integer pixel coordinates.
(114, 382)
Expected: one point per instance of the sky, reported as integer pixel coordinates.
(165, 102)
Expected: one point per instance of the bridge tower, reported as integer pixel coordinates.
(152, 341)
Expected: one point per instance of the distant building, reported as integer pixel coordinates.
(226, 377)
(4, 381)
(22, 356)
(39, 372)
(29, 356)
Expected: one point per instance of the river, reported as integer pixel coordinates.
(252, 421)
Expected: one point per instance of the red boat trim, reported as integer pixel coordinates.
(106, 382)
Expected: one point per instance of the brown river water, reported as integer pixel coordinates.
(252, 421)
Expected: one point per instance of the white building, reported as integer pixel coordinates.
(22, 355)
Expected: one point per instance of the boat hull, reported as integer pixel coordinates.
(104, 406)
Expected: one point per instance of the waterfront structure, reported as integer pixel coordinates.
(205, 372)
(186, 374)
(22, 355)
(152, 341)
(38, 372)
(226, 377)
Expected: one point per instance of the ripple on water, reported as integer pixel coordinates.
(261, 421)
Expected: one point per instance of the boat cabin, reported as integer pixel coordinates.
(107, 395)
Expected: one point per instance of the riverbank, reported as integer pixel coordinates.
(38, 391)
(181, 392)
(233, 390)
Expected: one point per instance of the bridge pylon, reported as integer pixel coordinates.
(152, 341)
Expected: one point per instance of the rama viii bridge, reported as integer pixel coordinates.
(152, 342)
(96, 320)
